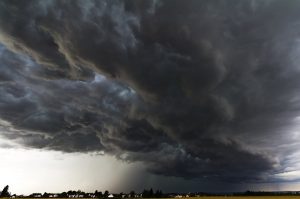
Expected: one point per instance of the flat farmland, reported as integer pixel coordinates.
(247, 197)
(216, 197)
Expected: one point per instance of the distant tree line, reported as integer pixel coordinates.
(151, 194)
(80, 194)
(144, 194)
(270, 193)
(71, 194)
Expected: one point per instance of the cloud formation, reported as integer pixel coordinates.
(204, 89)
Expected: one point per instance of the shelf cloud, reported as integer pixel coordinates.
(204, 89)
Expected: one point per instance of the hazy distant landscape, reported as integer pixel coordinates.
(235, 197)
(153, 194)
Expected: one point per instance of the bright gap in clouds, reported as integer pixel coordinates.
(31, 170)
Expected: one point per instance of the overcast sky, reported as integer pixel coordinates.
(178, 95)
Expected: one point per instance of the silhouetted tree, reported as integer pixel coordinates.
(106, 194)
(4, 192)
(132, 194)
(98, 194)
(158, 194)
(72, 192)
(151, 193)
(147, 193)
(63, 195)
(45, 195)
(144, 193)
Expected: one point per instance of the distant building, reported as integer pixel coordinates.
(36, 195)
(91, 195)
(110, 196)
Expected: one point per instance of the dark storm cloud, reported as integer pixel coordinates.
(197, 89)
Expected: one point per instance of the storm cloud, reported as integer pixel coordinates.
(197, 89)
